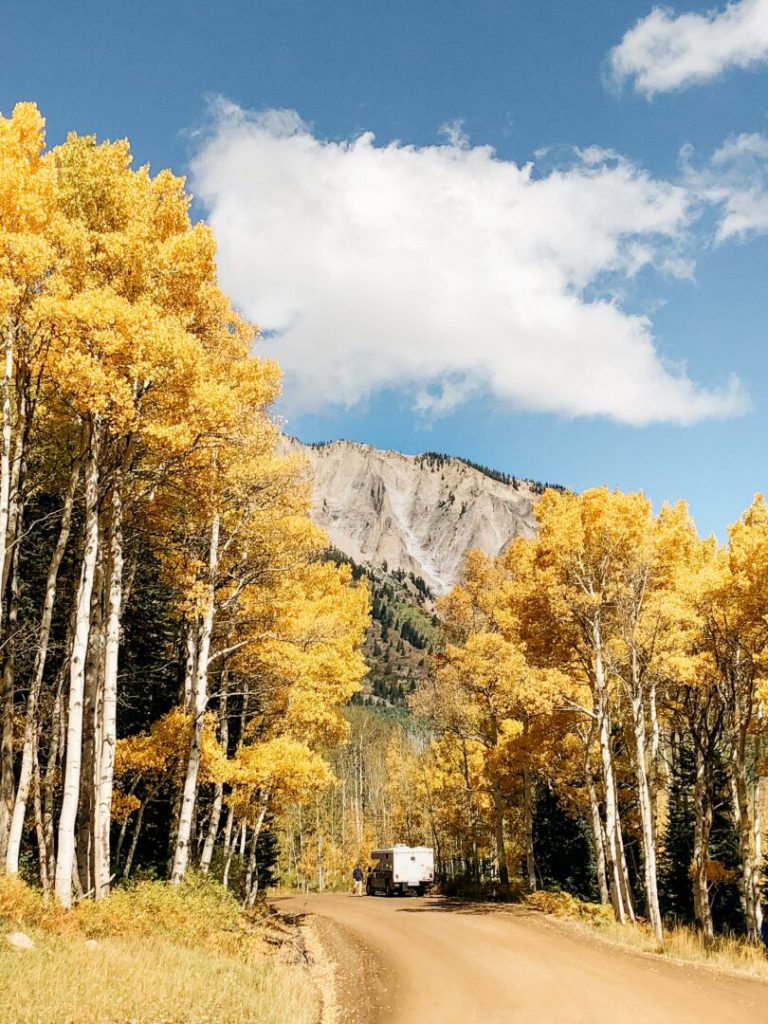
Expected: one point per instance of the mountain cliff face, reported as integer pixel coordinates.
(418, 514)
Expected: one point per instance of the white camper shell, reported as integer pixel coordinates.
(401, 870)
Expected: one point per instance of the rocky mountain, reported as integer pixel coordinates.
(416, 514)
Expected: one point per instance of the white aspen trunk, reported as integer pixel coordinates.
(6, 744)
(743, 819)
(319, 839)
(228, 830)
(7, 729)
(130, 579)
(252, 882)
(654, 759)
(598, 832)
(135, 838)
(358, 784)
(757, 861)
(498, 824)
(105, 752)
(42, 847)
(701, 834)
(65, 857)
(363, 808)
(530, 860)
(47, 786)
(613, 852)
(190, 663)
(76, 883)
(18, 466)
(7, 782)
(344, 825)
(646, 816)
(12, 534)
(41, 655)
(743, 823)
(92, 697)
(218, 798)
(213, 829)
(598, 841)
(431, 813)
(249, 872)
(230, 848)
(6, 388)
(174, 824)
(472, 815)
(200, 703)
(123, 829)
(626, 890)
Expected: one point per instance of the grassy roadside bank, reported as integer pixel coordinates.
(680, 943)
(150, 954)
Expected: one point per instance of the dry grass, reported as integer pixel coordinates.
(562, 904)
(162, 956)
(680, 942)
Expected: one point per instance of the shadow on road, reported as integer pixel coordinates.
(456, 905)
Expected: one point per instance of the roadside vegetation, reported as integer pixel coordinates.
(150, 980)
(728, 952)
(175, 647)
(181, 653)
(150, 952)
(592, 720)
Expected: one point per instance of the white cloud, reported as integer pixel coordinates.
(446, 271)
(666, 51)
(735, 183)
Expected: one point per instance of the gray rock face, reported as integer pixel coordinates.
(413, 513)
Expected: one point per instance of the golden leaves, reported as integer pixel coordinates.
(282, 769)
(110, 298)
(159, 755)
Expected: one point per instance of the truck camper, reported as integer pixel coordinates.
(400, 870)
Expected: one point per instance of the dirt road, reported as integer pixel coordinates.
(433, 961)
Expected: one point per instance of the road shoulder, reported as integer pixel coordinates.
(355, 986)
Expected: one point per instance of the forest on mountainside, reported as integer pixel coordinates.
(436, 460)
(402, 634)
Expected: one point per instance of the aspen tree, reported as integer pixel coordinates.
(144, 323)
(26, 261)
(486, 690)
(583, 551)
(199, 705)
(736, 612)
(41, 655)
(65, 854)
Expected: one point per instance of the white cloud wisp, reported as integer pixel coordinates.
(738, 182)
(446, 272)
(666, 51)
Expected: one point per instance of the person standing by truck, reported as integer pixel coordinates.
(357, 878)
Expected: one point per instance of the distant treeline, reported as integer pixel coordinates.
(436, 460)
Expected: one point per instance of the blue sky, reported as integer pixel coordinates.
(523, 78)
